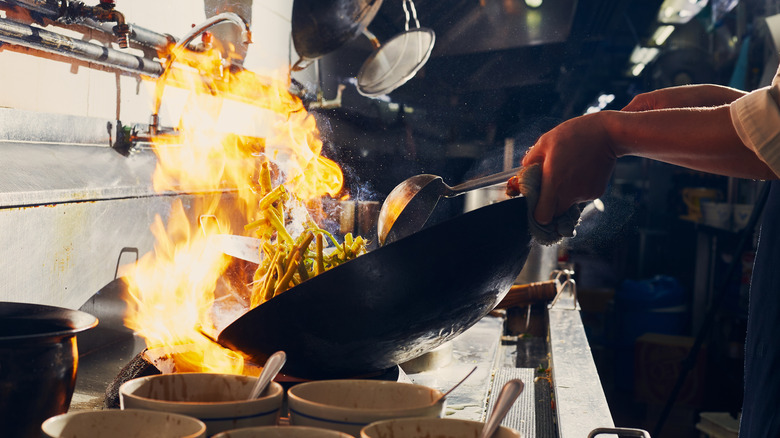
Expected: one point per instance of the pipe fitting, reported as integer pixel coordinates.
(76, 11)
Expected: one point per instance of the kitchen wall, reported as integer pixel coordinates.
(49, 84)
(72, 215)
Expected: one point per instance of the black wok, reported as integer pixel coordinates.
(322, 26)
(394, 303)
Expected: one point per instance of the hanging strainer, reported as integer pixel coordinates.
(398, 60)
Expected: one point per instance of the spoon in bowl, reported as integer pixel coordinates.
(270, 370)
(408, 206)
(509, 393)
(443, 396)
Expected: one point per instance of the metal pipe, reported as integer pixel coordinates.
(51, 9)
(183, 43)
(211, 22)
(48, 8)
(39, 39)
(138, 35)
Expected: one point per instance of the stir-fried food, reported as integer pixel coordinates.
(287, 260)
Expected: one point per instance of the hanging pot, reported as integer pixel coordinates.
(38, 362)
(322, 26)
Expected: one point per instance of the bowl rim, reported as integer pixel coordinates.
(292, 426)
(434, 419)
(276, 391)
(340, 410)
(115, 412)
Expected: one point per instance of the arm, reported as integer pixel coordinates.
(686, 96)
(578, 156)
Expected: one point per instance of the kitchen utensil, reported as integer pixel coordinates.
(221, 401)
(621, 431)
(444, 396)
(322, 26)
(38, 364)
(431, 427)
(270, 370)
(282, 432)
(114, 423)
(242, 247)
(506, 398)
(398, 60)
(410, 203)
(347, 405)
(394, 303)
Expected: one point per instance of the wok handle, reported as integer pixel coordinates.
(521, 295)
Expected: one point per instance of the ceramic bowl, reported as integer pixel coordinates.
(282, 432)
(130, 423)
(431, 427)
(219, 400)
(349, 405)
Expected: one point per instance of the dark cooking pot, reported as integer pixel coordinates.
(38, 361)
(322, 26)
(393, 303)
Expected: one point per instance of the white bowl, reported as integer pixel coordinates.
(130, 423)
(431, 427)
(219, 400)
(282, 432)
(349, 405)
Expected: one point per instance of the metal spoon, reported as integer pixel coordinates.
(443, 396)
(410, 203)
(509, 393)
(270, 370)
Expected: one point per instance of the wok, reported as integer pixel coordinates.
(393, 303)
(322, 26)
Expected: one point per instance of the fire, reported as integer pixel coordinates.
(232, 122)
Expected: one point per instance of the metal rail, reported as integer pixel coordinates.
(40, 39)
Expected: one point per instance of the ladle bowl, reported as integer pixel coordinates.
(410, 203)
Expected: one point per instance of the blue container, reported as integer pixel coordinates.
(656, 305)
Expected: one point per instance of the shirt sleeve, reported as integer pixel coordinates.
(756, 117)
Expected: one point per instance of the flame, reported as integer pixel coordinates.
(182, 290)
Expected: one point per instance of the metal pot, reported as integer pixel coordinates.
(322, 26)
(394, 303)
(38, 363)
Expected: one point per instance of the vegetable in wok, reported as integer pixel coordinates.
(287, 261)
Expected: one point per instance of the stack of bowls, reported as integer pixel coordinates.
(196, 405)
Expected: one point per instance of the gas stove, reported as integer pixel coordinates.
(562, 396)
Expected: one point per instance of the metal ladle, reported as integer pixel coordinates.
(509, 393)
(410, 203)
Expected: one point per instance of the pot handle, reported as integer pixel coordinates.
(621, 431)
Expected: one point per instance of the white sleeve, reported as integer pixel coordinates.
(756, 117)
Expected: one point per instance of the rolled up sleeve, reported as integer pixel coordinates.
(756, 118)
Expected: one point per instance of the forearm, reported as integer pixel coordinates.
(697, 138)
(685, 96)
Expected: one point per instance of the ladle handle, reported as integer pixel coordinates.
(270, 370)
(484, 181)
(506, 398)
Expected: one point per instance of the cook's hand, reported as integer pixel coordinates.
(684, 96)
(577, 160)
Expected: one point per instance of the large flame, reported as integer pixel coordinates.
(172, 290)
